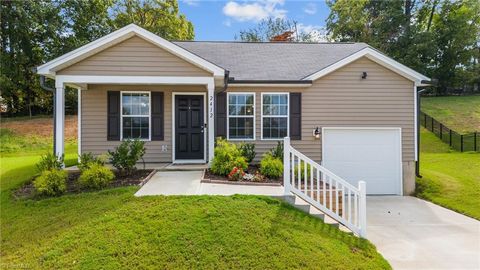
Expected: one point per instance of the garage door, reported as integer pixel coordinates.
(369, 154)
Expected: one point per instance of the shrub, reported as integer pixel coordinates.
(49, 162)
(271, 167)
(88, 159)
(236, 174)
(227, 156)
(248, 151)
(277, 151)
(96, 176)
(126, 155)
(51, 182)
(302, 170)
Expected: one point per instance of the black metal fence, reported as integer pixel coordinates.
(460, 142)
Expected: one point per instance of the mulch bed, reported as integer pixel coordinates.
(210, 177)
(138, 178)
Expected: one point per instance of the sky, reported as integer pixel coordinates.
(222, 20)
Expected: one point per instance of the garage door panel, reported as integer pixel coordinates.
(371, 155)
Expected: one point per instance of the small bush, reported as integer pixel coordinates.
(236, 174)
(277, 151)
(227, 156)
(248, 151)
(88, 159)
(49, 162)
(51, 182)
(271, 167)
(302, 170)
(97, 176)
(126, 155)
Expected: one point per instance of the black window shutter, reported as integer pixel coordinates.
(157, 116)
(113, 122)
(221, 115)
(296, 116)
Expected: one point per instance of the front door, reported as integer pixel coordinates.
(189, 127)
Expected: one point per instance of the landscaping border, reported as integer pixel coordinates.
(239, 183)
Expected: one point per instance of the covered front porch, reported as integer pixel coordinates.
(175, 115)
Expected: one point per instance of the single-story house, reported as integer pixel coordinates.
(345, 105)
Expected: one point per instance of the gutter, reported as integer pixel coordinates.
(432, 82)
(233, 81)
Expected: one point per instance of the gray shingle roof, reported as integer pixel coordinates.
(271, 61)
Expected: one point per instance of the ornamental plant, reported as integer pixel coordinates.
(236, 174)
(271, 167)
(51, 182)
(126, 155)
(96, 176)
(227, 156)
(248, 151)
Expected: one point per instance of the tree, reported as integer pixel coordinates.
(34, 32)
(158, 16)
(437, 37)
(277, 30)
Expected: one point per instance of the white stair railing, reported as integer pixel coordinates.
(324, 190)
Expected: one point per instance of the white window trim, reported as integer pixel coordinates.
(149, 113)
(279, 116)
(241, 116)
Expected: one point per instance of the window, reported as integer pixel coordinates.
(136, 115)
(241, 116)
(274, 115)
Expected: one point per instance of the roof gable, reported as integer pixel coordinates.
(376, 57)
(121, 35)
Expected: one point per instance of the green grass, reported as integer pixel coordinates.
(112, 229)
(460, 113)
(450, 178)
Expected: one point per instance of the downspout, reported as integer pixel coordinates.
(225, 81)
(432, 82)
(46, 88)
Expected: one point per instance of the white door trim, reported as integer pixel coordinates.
(371, 128)
(204, 160)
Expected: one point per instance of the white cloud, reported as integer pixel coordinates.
(317, 33)
(310, 8)
(254, 11)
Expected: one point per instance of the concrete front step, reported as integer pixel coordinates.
(307, 208)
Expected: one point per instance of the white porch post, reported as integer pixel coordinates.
(59, 118)
(286, 165)
(79, 122)
(211, 124)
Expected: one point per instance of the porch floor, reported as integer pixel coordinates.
(188, 183)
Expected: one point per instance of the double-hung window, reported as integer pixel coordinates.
(274, 116)
(241, 116)
(136, 115)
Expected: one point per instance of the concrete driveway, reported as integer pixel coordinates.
(415, 234)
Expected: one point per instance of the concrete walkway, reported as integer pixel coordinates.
(415, 234)
(188, 183)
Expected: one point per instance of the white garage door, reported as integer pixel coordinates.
(370, 154)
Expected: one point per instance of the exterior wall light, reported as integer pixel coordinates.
(316, 133)
(364, 75)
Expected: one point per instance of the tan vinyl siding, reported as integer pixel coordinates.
(342, 98)
(134, 57)
(94, 119)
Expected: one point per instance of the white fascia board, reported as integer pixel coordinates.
(118, 36)
(165, 80)
(378, 58)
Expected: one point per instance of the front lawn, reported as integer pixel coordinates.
(112, 229)
(450, 178)
(460, 113)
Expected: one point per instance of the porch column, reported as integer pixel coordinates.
(211, 122)
(59, 118)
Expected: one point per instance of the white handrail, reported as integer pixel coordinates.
(300, 170)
